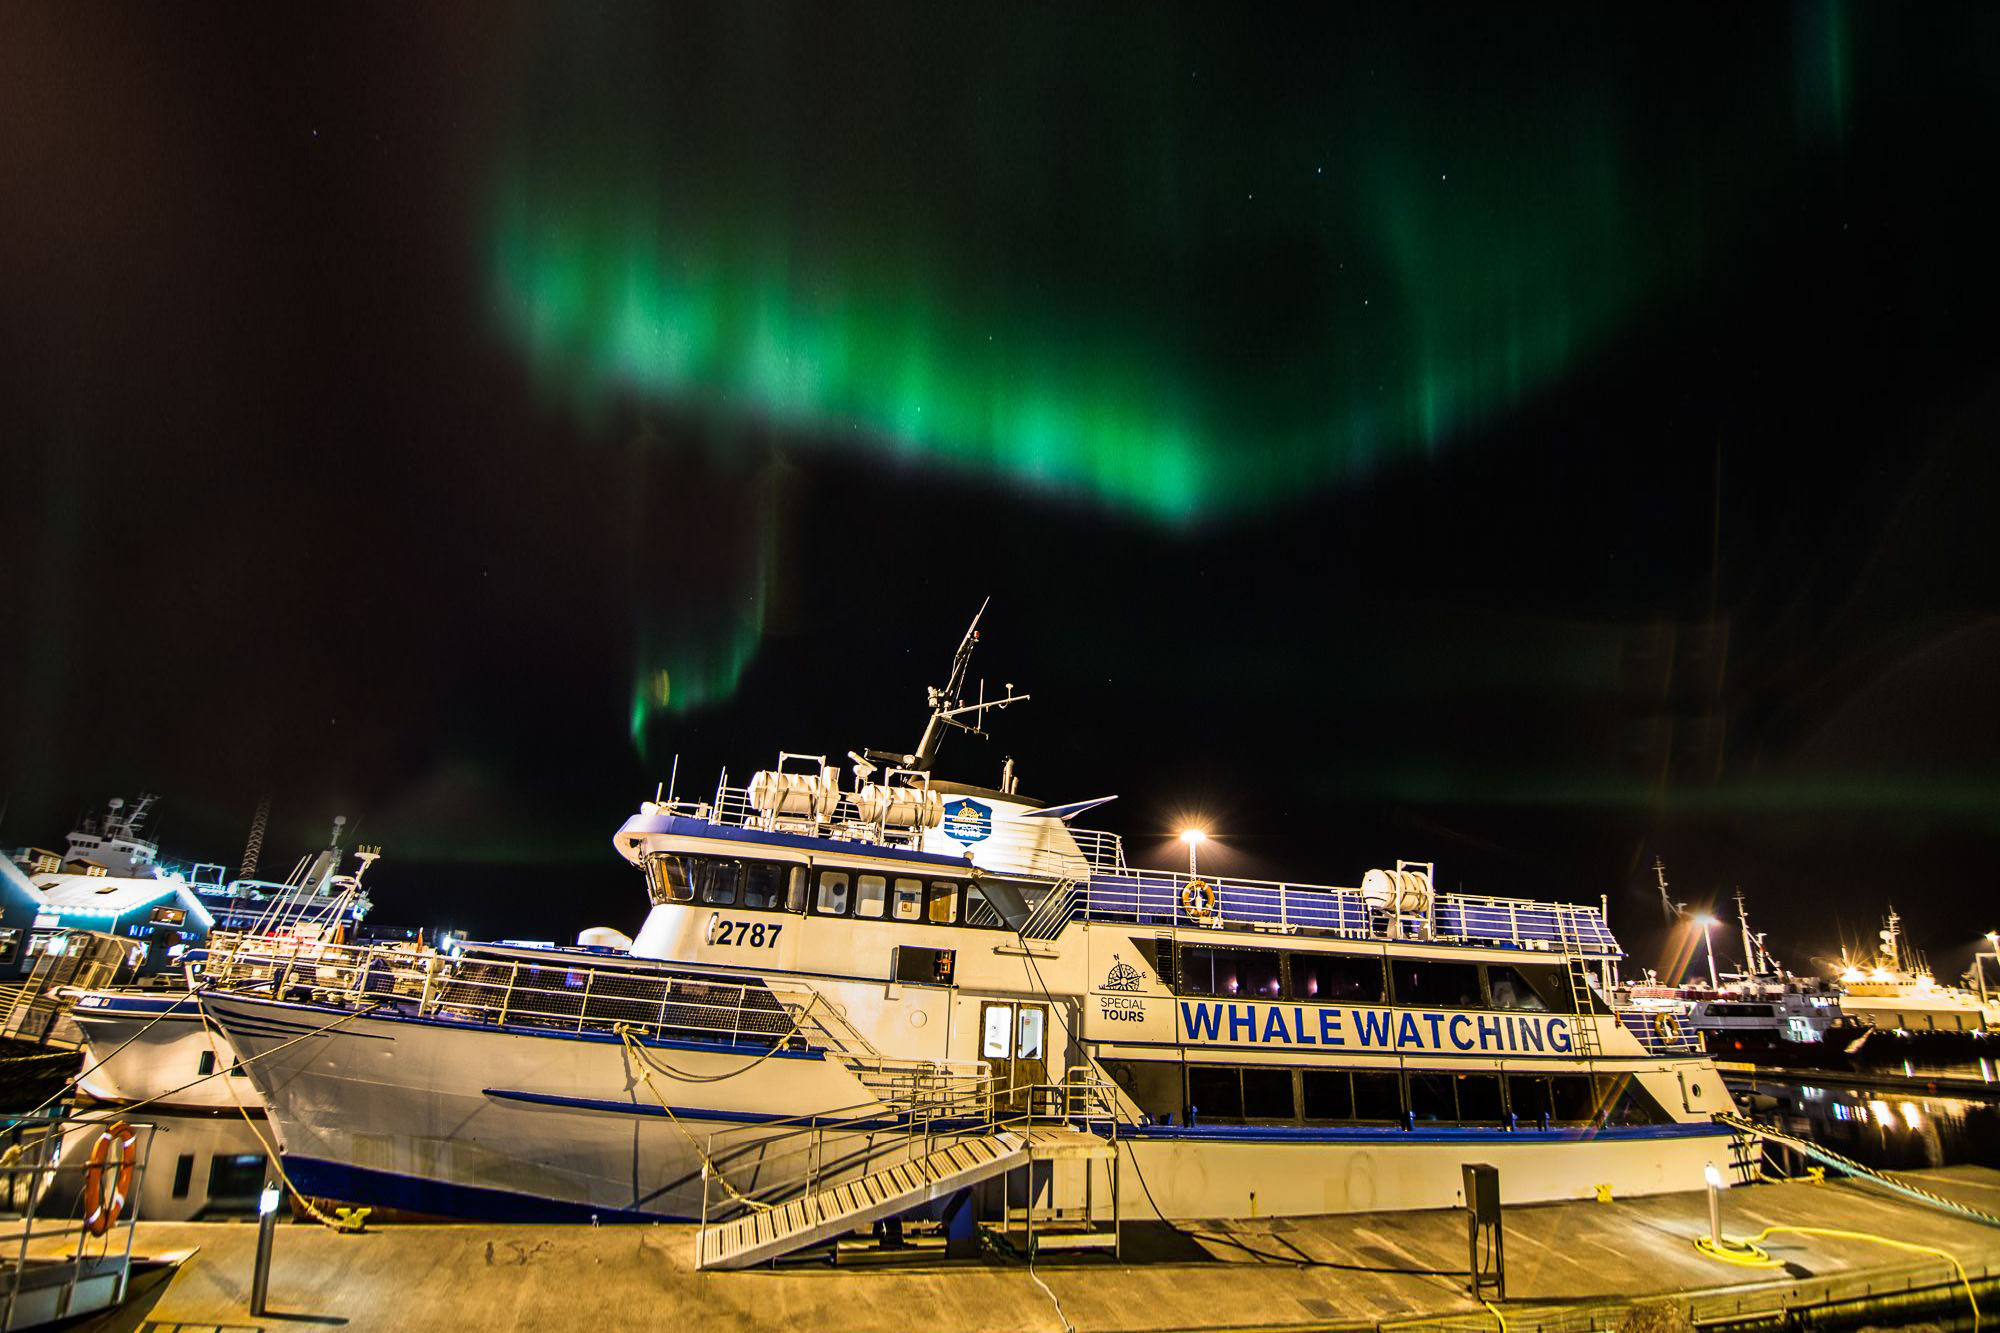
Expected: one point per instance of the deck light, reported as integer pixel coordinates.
(1707, 923)
(1194, 838)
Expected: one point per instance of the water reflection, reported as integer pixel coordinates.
(1889, 1129)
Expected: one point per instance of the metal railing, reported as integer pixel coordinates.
(1166, 898)
(746, 1167)
(730, 807)
(1656, 1038)
(54, 1266)
(561, 993)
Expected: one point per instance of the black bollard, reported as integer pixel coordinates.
(267, 1228)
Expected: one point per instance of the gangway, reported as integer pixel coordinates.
(791, 1188)
(770, 1233)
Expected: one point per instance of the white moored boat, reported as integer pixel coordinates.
(147, 1042)
(830, 973)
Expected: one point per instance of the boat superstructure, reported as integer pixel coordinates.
(1763, 1009)
(1895, 991)
(827, 963)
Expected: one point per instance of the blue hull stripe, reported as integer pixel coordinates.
(322, 1179)
(705, 1112)
(1390, 1135)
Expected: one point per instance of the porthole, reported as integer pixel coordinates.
(1694, 1091)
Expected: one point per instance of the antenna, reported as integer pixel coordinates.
(1671, 908)
(1749, 940)
(948, 704)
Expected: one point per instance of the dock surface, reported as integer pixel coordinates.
(1568, 1265)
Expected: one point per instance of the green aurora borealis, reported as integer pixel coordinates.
(1126, 268)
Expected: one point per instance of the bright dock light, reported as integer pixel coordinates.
(1194, 838)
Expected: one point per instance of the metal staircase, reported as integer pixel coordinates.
(823, 1214)
(781, 1187)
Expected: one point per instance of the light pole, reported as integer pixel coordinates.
(1194, 838)
(1707, 924)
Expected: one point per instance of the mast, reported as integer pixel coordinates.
(948, 703)
(1750, 963)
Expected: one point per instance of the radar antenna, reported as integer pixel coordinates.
(948, 706)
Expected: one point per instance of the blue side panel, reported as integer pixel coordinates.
(321, 1179)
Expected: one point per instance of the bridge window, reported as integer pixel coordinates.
(870, 895)
(909, 900)
(667, 878)
(760, 884)
(833, 893)
(718, 881)
(1333, 978)
(1435, 985)
(944, 902)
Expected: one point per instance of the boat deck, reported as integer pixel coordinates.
(1570, 1266)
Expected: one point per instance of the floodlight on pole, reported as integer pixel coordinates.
(1707, 923)
(1194, 838)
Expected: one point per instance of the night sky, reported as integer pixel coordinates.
(1539, 440)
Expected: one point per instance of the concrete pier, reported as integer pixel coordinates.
(1570, 1266)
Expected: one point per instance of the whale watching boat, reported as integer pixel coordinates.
(894, 993)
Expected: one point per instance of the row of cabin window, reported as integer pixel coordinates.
(1250, 1094)
(770, 886)
(1335, 978)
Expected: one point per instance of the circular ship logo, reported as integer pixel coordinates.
(968, 821)
(1123, 976)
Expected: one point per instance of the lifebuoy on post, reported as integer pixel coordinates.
(1198, 901)
(99, 1212)
(1667, 1027)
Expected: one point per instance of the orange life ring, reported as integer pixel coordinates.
(1667, 1026)
(98, 1212)
(1198, 900)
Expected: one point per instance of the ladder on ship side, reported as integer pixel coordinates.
(1581, 992)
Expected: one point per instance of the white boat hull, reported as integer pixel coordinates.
(156, 1049)
(472, 1120)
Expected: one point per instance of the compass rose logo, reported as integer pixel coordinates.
(1123, 976)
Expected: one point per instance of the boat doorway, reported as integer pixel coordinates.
(1014, 1044)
